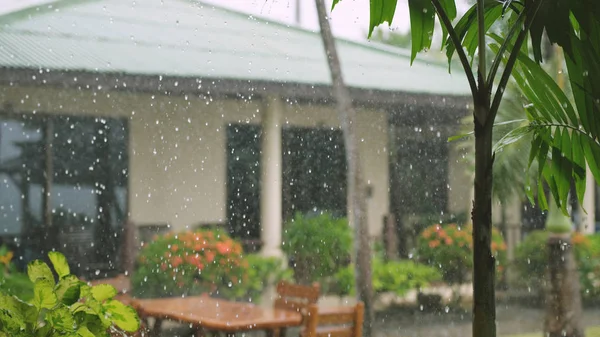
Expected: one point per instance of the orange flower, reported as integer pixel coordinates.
(448, 241)
(177, 261)
(163, 266)
(5, 259)
(210, 256)
(433, 243)
(174, 248)
(223, 247)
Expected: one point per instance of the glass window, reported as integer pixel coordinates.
(87, 199)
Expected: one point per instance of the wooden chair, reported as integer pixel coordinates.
(294, 297)
(334, 322)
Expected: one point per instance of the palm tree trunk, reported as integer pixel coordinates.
(357, 203)
(484, 300)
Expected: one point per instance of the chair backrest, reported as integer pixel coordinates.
(340, 322)
(296, 297)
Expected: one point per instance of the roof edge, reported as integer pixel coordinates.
(38, 9)
(178, 85)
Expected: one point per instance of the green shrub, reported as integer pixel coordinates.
(13, 282)
(319, 245)
(394, 276)
(261, 273)
(531, 259)
(449, 248)
(190, 263)
(68, 307)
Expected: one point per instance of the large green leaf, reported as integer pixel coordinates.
(59, 262)
(381, 11)
(122, 315)
(43, 294)
(37, 270)
(468, 23)
(68, 289)
(11, 316)
(103, 292)
(85, 332)
(422, 23)
(61, 319)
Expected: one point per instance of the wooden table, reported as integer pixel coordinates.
(205, 313)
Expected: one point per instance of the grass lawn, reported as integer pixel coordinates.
(593, 331)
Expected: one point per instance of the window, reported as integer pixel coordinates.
(314, 171)
(314, 175)
(64, 186)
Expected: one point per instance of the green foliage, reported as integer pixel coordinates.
(394, 276)
(531, 260)
(13, 282)
(263, 272)
(190, 263)
(17, 284)
(68, 307)
(320, 245)
(449, 248)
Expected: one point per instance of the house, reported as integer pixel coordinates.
(175, 113)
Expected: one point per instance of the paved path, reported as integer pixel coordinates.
(511, 320)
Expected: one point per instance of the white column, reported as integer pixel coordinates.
(271, 181)
(588, 221)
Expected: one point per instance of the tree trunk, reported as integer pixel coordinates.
(484, 300)
(357, 203)
(563, 299)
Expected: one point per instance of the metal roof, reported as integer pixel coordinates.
(183, 38)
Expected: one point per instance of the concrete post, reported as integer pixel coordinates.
(588, 221)
(271, 180)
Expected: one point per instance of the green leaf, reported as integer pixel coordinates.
(85, 290)
(43, 294)
(61, 319)
(449, 7)
(59, 262)
(37, 270)
(578, 167)
(85, 332)
(422, 23)
(462, 135)
(68, 289)
(11, 315)
(103, 292)
(381, 11)
(592, 155)
(512, 137)
(122, 315)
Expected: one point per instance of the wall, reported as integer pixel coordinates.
(177, 153)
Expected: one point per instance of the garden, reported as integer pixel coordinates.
(319, 249)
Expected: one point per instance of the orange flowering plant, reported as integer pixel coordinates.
(191, 263)
(450, 249)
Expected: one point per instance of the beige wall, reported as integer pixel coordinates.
(177, 153)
